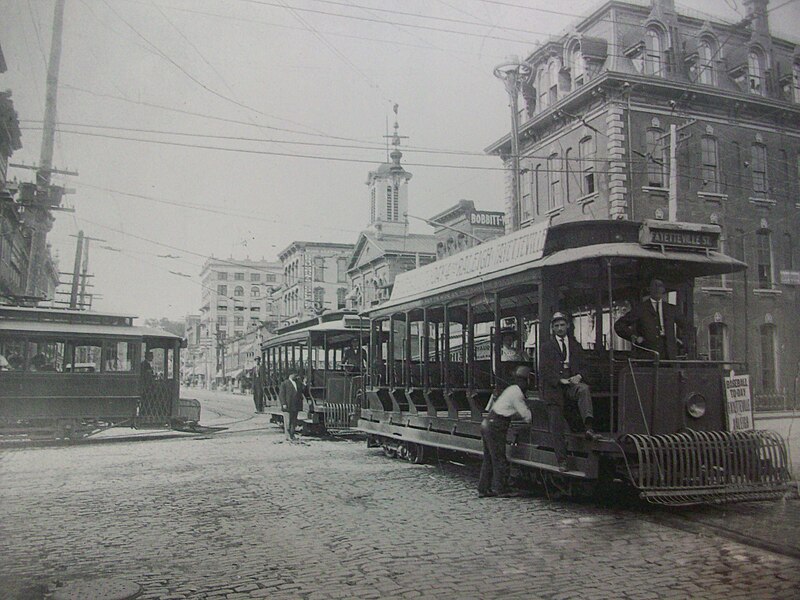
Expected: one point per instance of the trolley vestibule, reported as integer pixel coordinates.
(436, 355)
(318, 348)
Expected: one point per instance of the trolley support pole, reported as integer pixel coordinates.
(496, 343)
(426, 346)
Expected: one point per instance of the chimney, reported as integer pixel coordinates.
(756, 13)
(666, 6)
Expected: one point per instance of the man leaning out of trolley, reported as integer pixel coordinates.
(494, 428)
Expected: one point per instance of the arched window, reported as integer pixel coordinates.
(553, 92)
(554, 179)
(764, 260)
(254, 292)
(656, 165)
(654, 52)
(758, 169)
(796, 82)
(577, 67)
(707, 51)
(540, 191)
(570, 189)
(768, 375)
(710, 164)
(755, 71)
(718, 341)
(238, 291)
(543, 87)
(587, 152)
(526, 191)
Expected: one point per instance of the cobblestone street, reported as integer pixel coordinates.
(239, 514)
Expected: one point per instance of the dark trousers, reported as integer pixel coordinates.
(290, 423)
(576, 396)
(258, 400)
(494, 470)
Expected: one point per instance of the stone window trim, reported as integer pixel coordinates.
(717, 290)
(767, 292)
(664, 191)
(588, 198)
(763, 201)
(712, 196)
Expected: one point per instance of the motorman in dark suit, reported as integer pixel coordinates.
(291, 397)
(562, 369)
(652, 324)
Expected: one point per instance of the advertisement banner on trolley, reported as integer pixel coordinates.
(508, 251)
(738, 403)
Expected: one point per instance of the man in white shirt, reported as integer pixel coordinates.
(494, 429)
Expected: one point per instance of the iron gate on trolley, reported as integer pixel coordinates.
(342, 414)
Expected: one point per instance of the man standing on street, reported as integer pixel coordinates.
(494, 428)
(258, 385)
(291, 397)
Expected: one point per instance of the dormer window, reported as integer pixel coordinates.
(707, 51)
(553, 91)
(755, 72)
(577, 67)
(653, 52)
(796, 82)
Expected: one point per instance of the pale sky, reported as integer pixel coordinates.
(233, 127)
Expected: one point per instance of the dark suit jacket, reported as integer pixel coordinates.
(291, 399)
(259, 375)
(642, 321)
(551, 368)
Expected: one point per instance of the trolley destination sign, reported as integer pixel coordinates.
(680, 235)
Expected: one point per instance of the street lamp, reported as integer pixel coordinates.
(513, 74)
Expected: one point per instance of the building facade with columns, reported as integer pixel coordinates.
(641, 111)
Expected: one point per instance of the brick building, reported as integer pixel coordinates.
(601, 106)
(315, 279)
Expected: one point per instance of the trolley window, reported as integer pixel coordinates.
(120, 356)
(46, 356)
(12, 352)
(84, 357)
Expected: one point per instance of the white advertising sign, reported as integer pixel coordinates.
(739, 404)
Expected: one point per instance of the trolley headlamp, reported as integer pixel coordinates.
(695, 405)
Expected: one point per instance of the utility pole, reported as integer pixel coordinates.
(513, 74)
(672, 198)
(73, 295)
(47, 196)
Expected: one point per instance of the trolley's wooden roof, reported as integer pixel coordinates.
(341, 329)
(527, 252)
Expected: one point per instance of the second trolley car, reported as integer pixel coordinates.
(665, 425)
(327, 351)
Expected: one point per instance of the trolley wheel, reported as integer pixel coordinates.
(389, 452)
(415, 453)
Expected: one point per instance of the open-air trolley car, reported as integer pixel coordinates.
(664, 423)
(67, 374)
(318, 348)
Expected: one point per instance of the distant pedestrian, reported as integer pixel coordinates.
(258, 385)
(291, 397)
(494, 428)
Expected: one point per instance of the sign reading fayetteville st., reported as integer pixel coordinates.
(680, 235)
